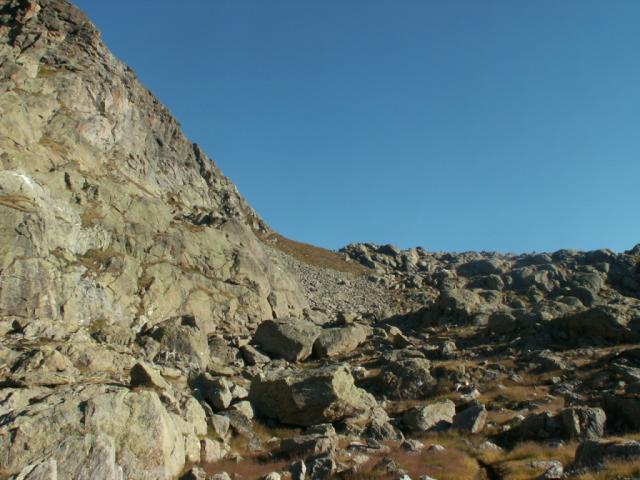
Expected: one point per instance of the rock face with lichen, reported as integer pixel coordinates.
(112, 225)
(109, 214)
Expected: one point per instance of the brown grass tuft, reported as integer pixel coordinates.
(312, 255)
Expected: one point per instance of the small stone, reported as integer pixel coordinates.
(220, 476)
(219, 424)
(144, 375)
(307, 444)
(412, 445)
(244, 408)
(238, 392)
(252, 356)
(215, 390)
(553, 469)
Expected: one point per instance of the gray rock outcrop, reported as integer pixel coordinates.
(310, 397)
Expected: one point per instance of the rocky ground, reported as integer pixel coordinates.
(153, 327)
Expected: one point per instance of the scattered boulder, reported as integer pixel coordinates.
(212, 451)
(215, 390)
(595, 453)
(380, 427)
(94, 422)
(397, 338)
(502, 323)
(623, 410)
(549, 362)
(320, 468)
(438, 415)
(537, 426)
(309, 397)
(584, 423)
(339, 341)
(597, 324)
(484, 266)
(313, 444)
(412, 445)
(406, 379)
(219, 424)
(472, 419)
(252, 356)
(553, 469)
(458, 304)
(291, 339)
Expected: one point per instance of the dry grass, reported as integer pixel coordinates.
(516, 464)
(612, 471)
(312, 255)
(450, 464)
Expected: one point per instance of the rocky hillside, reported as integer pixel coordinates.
(110, 215)
(153, 327)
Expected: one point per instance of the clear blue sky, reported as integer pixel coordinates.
(504, 125)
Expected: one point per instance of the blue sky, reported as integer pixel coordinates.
(505, 125)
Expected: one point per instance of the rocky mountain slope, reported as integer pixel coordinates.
(153, 327)
(110, 213)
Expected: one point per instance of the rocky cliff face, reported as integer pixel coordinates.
(112, 224)
(109, 214)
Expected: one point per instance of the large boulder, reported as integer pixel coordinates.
(309, 397)
(338, 341)
(97, 428)
(537, 426)
(406, 379)
(472, 419)
(597, 324)
(623, 410)
(458, 303)
(483, 266)
(595, 453)
(437, 415)
(583, 423)
(291, 339)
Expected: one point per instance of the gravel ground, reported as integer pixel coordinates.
(330, 291)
